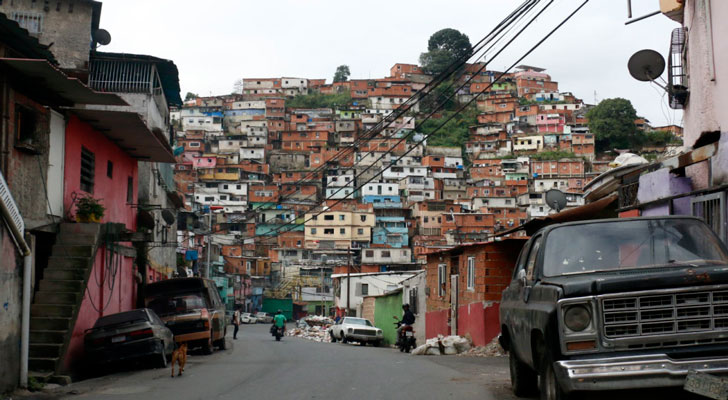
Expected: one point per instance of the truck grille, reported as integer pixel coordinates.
(681, 312)
(365, 332)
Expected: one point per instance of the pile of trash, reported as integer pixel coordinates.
(313, 327)
(492, 349)
(443, 345)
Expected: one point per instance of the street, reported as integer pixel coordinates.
(256, 366)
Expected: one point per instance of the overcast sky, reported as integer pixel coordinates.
(215, 42)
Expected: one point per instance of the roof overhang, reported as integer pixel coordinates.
(129, 131)
(47, 78)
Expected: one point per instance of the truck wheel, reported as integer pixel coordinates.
(208, 348)
(548, 384)
(524, 380)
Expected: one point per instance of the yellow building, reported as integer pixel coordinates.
(339, 229)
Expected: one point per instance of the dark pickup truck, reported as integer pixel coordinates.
(616, 304)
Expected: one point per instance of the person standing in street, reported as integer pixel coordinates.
(236, 323)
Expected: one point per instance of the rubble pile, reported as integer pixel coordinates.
(492, 349)
(443, 345)
(313, 328)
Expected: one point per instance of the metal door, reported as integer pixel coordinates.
(454, 304)
(55, 170)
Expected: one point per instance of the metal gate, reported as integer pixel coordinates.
(711, 209)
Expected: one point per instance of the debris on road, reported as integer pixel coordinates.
(314, 328)
(443, 345)
(492, 349)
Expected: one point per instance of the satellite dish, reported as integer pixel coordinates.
(556, 199)
(168, 217)
(646, 65)
(102, 37)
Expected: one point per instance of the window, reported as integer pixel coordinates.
(471, 273)
(313, 231)
(341, 217)
(329, 231)
(360, 231)
(33, 22)
(441, 285)
(531, 263)
(365, 289)
(110, 169)
(130, 190)
(342, 231)
(369, 253)
(363, 218)
(329, 217)
(88, 168)
(385, 254)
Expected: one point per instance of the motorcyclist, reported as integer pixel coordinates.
(279, 320)
(408, 318)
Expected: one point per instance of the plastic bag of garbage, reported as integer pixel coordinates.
(461, 344)
(420, 350)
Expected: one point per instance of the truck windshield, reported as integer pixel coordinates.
(630, 244)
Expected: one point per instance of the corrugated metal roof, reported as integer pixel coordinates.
(20, 40)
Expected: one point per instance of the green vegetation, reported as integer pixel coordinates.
(191, 96)
(444, 47)
(342, 73)
(612, 122)
(553, 155)
(661, 138)
(320, 100)
(455, 132)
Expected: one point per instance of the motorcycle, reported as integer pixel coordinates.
(277, 332)
(406, 338)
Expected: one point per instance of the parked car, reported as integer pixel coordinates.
(356, 329)
(264, 318)
(129, 335)
(192, 309)
(248, 318)
(616, 304)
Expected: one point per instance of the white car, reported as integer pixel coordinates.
(263, 318)
(356, 329)
(248, 318)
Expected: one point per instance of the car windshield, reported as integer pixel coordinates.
(630, 244)
(175, 304)
(358, 321)
(122, 318)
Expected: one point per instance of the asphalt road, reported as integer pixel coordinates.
(257, 367)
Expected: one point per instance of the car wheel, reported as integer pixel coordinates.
(524, 381)
(362, 343)
(548, 384)
(333, 337)
(343, 338)
(208, 348)
(163, 357)
(377, 343)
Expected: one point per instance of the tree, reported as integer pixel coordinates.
(612, 122)
(444, 47)
(190, 96)
(342, 73)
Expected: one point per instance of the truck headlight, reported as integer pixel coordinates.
(577, 318)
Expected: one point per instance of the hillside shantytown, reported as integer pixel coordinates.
(137, 219)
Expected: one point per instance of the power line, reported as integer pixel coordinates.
(464, 106)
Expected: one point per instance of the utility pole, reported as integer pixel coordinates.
(209, 237)
(348, 279)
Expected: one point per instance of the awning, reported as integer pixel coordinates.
(47, 78)
(589, 211)
(129, 131)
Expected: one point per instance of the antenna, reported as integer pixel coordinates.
(646, 65)
(556, 199)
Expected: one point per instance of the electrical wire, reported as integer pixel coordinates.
(462, 108)
(519, 13)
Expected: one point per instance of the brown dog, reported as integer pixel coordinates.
(179, 356)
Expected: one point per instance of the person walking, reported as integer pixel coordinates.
(236, 323)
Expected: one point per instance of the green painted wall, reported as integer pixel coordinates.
(384, 308)
(273, 305)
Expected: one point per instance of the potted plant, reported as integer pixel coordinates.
(89, 209)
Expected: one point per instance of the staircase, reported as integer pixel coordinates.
(58, 297)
